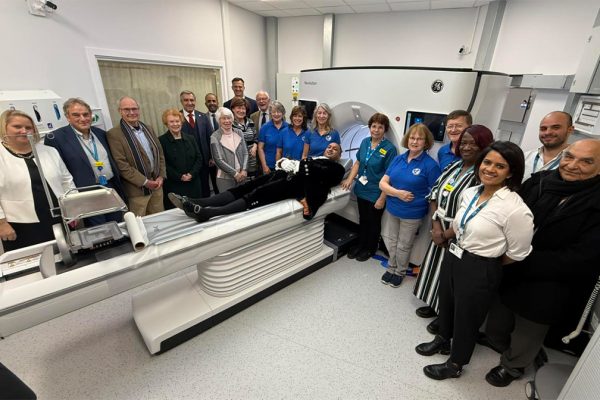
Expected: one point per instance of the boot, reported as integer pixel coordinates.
(203, 214)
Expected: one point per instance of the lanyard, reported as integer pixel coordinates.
(452, 182)
(552, 165)
(468, 217)
(93, 154)
(370, 152)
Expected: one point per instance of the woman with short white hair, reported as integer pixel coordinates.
(229, 152)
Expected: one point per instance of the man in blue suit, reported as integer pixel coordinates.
(85, 152)
(197, 124)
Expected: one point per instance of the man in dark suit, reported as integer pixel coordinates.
(237, 85)
(212, 105)
(84, 150)
(197, 125)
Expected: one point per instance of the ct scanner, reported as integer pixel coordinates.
(406, 95)
(241, 258)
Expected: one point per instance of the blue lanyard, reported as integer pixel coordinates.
(370, 152)
(466, 216)
(455, 177)
(95, 153)
(552, 165)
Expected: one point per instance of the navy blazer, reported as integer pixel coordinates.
(66, 143)
(201, 132)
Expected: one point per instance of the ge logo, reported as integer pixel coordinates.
(437, 86)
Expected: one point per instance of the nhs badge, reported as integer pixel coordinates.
(328, 138)
(416, 171)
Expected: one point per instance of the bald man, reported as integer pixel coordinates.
(552, 285)
(555, 129)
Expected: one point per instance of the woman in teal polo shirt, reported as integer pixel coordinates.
(406, 183)
(372, 160)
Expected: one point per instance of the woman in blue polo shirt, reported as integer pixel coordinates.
(372, 160)
(291, 141)
(268, 138)
(322, 133)
(406, 183)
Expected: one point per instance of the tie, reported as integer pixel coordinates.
(264, 118)
(214, 121)
(191, 120)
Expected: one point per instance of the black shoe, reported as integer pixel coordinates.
(353, 252)
(195, 211)
(385, 278)
(176, 200)
(443, 371)
(437, 345)
(434, 327)
(500, 377)
(483, 340)
(364, 255)
(426, 312)
(396, 281)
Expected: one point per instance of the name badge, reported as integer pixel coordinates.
(456, 250)
(363, 180)
(448, 187)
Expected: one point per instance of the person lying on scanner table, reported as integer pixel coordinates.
(307, 181)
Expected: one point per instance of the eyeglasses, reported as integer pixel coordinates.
(453, 127)
(130, 110)
(418, 139)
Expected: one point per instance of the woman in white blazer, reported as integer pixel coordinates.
(25, 217)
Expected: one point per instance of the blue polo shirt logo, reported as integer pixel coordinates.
(416, 171)
(328, 138)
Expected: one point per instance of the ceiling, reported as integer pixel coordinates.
(297, 8)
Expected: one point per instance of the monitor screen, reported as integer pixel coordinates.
(309, 106)
(435, 122)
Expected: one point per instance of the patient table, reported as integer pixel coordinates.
(239, 259)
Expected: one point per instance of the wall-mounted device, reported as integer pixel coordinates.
(41, 8)
(44, 106)
(587, 115)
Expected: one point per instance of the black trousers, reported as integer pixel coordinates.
(267, 189)
(12, 388)
(213, 179)
(467, 288)
(204, 178)
(369, 225)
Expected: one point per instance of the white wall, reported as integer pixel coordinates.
(49, 53)
(247, 38)
(300, 43)
(415, 38)
(543, 36)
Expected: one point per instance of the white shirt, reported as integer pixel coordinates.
(260, 115)
(141, 137)
(503, 226)
(531, 166)
(88, 149)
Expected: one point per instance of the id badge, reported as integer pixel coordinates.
(448, 187)
(363, 180)
(99, 164)
(456, 250)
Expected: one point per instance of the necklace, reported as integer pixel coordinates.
(28, 155)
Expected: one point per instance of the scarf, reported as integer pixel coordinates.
(548, 195)
(137, 150)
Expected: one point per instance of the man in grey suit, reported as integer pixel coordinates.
(262, 116)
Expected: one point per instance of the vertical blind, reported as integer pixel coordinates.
(156, 87)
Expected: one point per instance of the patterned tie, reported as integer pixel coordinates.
(264, 118)
(191, 120)
(214, 121)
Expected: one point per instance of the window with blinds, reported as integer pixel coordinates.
(156, 87)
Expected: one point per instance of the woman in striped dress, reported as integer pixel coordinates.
(444, 200)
